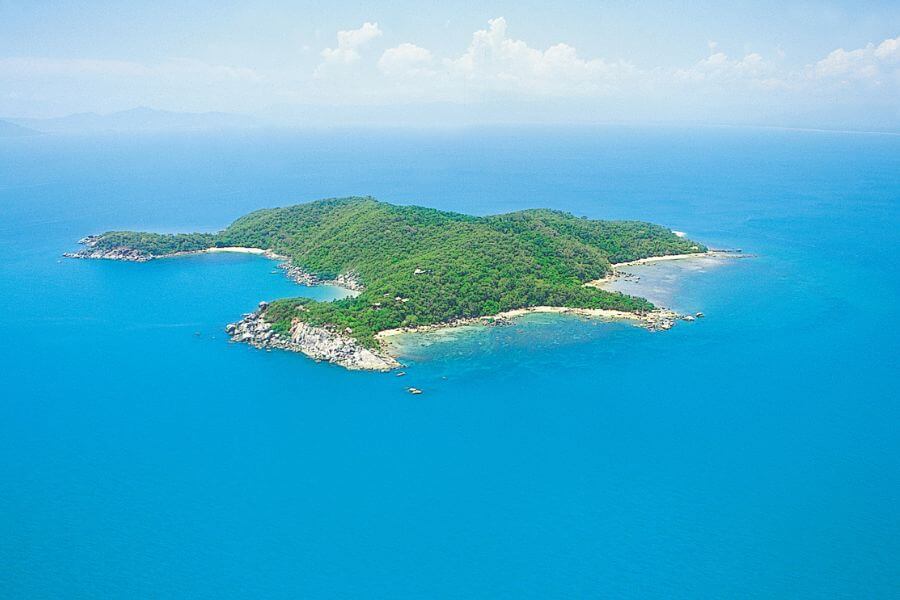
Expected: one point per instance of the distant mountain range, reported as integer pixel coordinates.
(135, 120)
(8, 129)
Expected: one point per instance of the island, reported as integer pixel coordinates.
(413, 268)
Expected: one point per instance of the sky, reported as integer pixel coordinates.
(832, 65)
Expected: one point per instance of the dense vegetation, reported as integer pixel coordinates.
(155, 244)
(423, 266)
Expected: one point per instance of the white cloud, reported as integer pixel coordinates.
(717, 67)
(840, 62)
(868, 64)
(406, 60)
(494, 70)
(888, 50)
(349, 43)
(498, 70)
(500, 63)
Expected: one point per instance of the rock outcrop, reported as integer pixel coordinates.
(660, 319)
(348, 281)
(316, 342)
(90, 250)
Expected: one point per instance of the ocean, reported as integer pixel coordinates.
(754, 453)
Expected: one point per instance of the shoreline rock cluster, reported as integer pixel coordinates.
(659, 320)
(348, 281)
(123, 253)
(318, 343)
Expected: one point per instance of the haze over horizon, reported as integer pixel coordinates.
(832, 66)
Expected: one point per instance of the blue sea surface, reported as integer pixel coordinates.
(754, 453)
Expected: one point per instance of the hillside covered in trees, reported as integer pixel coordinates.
(424, 266)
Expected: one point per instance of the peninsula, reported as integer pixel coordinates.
(416, 268)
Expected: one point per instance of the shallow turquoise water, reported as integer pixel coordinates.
(754, 453)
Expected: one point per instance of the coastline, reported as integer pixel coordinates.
(318, 343)
(616, 274)
(325, 344)
(665, 257)
(660, 319)
(243, 250)
(348, 281)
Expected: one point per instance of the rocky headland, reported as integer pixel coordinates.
(318, 343)
(91, 250)
(350, 280)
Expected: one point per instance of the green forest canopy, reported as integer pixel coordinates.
(423, 266)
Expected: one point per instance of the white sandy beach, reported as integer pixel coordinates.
(238, 249)
(216, 250)
(657, 319)
(614, 275)
(692, 255)
(269, 253)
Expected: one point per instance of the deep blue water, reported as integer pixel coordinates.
(754, 453)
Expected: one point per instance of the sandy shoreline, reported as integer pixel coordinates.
(214, 250)
(659, 319)
(615, 274)
(240, 250)
(653, 259)
(268, 253)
